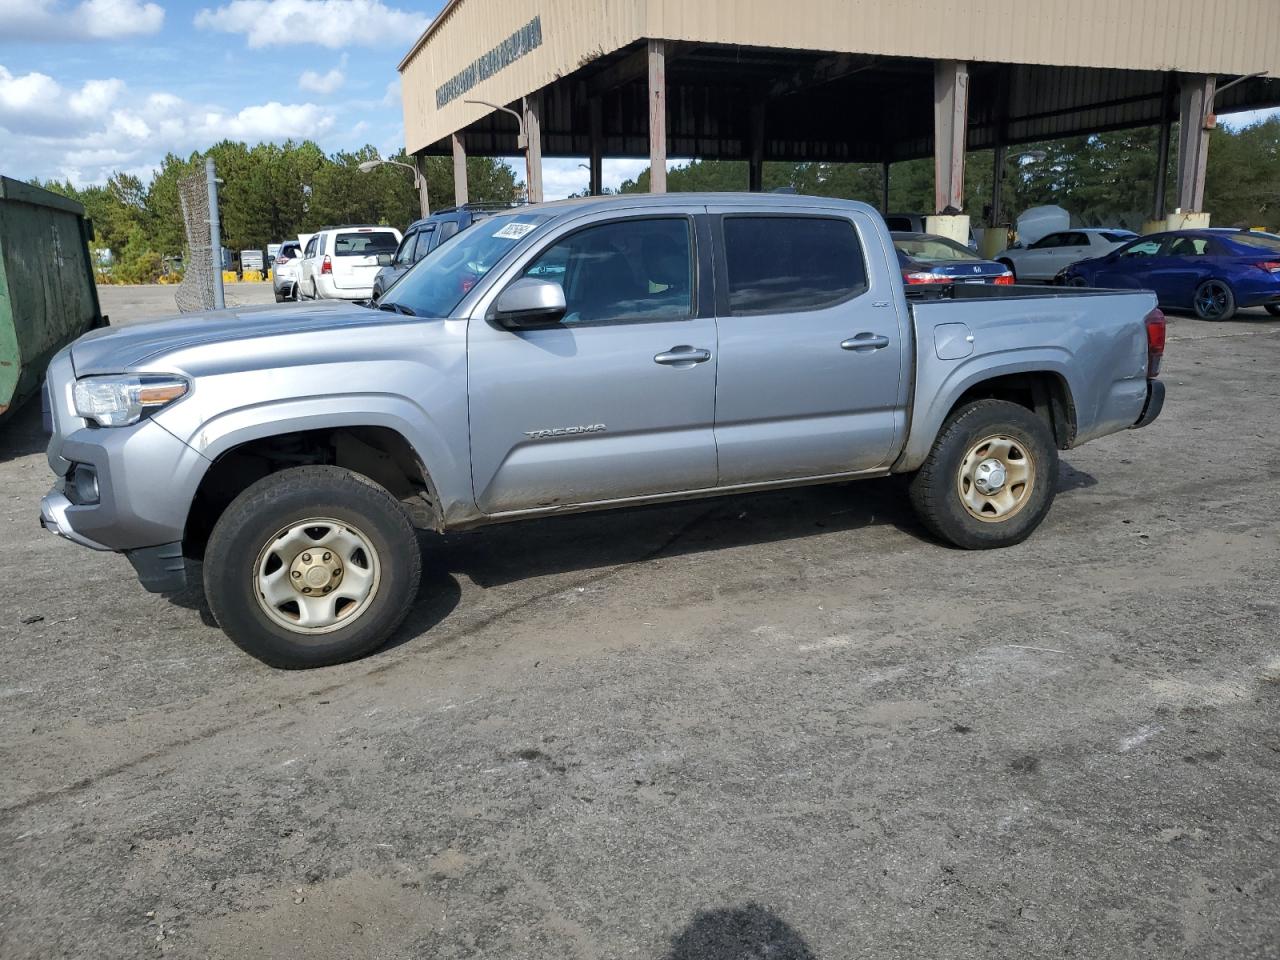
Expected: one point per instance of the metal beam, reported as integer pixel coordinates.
(1195, 106)
(823, 71)
(424, 200)
(950, 127)
(533, 155)
(657, 116)
(997, 186)
(596, 162)
(459, 170)
(884, 187)
(755, 153)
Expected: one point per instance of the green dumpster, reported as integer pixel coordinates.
(47, 293)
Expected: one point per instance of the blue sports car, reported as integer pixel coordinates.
(1213, 272)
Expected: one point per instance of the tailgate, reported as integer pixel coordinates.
(355, 256)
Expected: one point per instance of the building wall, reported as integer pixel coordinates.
(1196, 36)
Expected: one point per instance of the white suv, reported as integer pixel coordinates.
(339, 263)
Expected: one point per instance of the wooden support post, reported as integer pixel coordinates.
(755, 155)
(459, 171)
(657, 116)
(424, 199)
(596, 161)
(533, 153)
(1195, 107)
(950, 126)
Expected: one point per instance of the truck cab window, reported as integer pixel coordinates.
(628, 270)
(782, 264)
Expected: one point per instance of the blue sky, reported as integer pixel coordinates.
(88, 87)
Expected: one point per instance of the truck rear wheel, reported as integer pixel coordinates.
(311, 566)
(989, 480)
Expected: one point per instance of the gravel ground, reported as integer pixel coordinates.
(783, 725)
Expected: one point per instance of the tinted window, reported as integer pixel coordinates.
(404, 255)
(424, 243)
(1188, 247)
(1266, 242)
(1049, 242)
(926, 246)
(447, 230)
(902, 224)
(791, 263)
(1143, 248)
(364, 244)
(623, 271)
(1117, 237)
(1075, 240)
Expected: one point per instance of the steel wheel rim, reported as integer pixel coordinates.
(1211, 301)
(1019, 479)
(306, 596)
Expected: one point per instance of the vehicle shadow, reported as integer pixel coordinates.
(739, 933)
(22, 434)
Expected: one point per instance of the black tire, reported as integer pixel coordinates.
(279, 297)
(249, 526)
(936, 487)
(1214, 300)
(1008, 265)
(1273, 309)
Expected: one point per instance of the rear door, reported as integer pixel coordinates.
(618, 399)
(813, 354)
(1073, 246)
(354, 256)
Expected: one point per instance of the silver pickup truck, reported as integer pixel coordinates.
(572, 356)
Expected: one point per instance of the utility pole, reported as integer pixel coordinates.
(215, 234)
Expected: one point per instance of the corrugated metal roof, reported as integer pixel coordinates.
(466, 52)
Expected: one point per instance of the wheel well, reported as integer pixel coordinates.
(379, 453)
(1043, 393)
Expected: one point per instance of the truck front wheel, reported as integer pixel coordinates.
(990, 478)
(311, 566)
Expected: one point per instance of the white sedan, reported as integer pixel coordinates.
(1055, 251)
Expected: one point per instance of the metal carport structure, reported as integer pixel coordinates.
(831, 80)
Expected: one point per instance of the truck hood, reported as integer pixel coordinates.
(119, 349)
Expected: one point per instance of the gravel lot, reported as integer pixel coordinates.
(785, 725)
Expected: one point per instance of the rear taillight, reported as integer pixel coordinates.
(326, 265)
(282, 259)
(1005, 279)
(1271, 266)
(1155, 342)
(909, 277)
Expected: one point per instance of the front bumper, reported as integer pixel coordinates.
(1154, 404)
(53, 517)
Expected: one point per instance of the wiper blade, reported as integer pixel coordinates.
(398, 308)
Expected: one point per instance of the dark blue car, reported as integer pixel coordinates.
(1213, 272)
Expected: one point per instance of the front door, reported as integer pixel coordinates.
(813, 368)
(618, 399)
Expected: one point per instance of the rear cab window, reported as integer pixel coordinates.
(784, 264)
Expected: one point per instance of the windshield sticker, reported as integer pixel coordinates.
(514, 231)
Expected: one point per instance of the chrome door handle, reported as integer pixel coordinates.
(864, 342)
(683, 356)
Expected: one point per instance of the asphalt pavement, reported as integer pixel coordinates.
(786, 725)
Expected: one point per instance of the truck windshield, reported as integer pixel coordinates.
(438, 282)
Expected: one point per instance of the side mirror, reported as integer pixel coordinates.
(384, 259)
(528, 303)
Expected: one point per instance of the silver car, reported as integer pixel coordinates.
(572, 356)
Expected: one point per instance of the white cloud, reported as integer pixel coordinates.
(54, 20)
(328, 23)
(324, 82)
(85, 134)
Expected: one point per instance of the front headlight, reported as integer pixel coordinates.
(121, 401)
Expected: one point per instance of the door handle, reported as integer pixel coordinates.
(864, 342)
(683, 356)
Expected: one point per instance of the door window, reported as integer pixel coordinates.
(1144, 248)
(624, 271)
(424, 243)
(1075, 240)
(311, 248)
(1050, 242)
(1188, 247)
(788, 264)
(404, 254)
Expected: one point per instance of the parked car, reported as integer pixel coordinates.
(425, 235)
(1213, 272)
(572, 357)
(284, 270)
(339, 263)
(929, 259)
(1051, 254)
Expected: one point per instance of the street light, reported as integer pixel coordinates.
(522, 138)
(370, 165)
